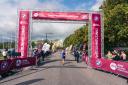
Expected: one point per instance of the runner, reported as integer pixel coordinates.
(63, 54)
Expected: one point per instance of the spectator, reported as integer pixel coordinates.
(42, 55)
(123, 55)
(109, 55)
(77, 56)
(4, 53)
(35, 53)
(75, 50)
(84, 56)
(115, 55)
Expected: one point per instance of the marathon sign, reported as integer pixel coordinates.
(24, 62)
(116, 67)
(70, 16)
(96, 35)
(23, 34)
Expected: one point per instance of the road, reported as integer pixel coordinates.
(54, 73)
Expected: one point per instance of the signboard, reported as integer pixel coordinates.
(7, 65)
(117, 67)
(75, 16)
(23, 34)
(96, 35)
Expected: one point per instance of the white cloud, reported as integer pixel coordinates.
(9, 15)
(58, 30)
(96, 6)
(9, 11)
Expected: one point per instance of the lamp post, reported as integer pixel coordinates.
(46, 35)
(2, 41)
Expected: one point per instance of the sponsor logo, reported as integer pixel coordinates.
(23, 22)
(36, 14)
(98, 63)
(96, 25)
(25, 62)
(96, 42)
(18, 62)
(24, 16)
(96, 18)
(113, 66)
(84, 17)
(4, 65)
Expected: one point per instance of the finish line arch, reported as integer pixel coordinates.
(94, 18)
(96, 41)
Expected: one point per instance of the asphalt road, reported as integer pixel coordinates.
(54, 73)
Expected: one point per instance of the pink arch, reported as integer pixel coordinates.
(24, 27)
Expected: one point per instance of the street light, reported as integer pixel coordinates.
(47, 36)
(2, 41)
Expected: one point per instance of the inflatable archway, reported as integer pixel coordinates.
(96, 37)
(94, 18)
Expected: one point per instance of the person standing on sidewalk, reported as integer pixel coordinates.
(77, 56)
(4, 53)
(85, 57)
(74, 52)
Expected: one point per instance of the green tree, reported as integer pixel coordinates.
(33, 44)
(116, 22)
(78, 37)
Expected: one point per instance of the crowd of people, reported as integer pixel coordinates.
(41, 52)
(115, 55)
(9, 53)
(80, 53)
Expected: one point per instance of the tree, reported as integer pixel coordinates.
(78, 37)
(33, 44)
(116, 22)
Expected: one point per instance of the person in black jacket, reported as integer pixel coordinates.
(77, 56)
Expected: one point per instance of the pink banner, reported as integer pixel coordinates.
(75, 16)
(8, 65)
(23, 33)
(96, 35)
(117, 67)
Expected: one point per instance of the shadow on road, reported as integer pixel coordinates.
(113, 74)
(69, 66)
(35, 69)
(49, 61)
(55, 60)
(29, 82)
(23, 75)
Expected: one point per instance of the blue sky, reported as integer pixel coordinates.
(73, 4)
(9, 12)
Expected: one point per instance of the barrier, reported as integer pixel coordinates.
(116, 67)
(7, 65)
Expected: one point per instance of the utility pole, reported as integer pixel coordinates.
(2, 41)
(46, 35)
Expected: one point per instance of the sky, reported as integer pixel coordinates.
(9, 16)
